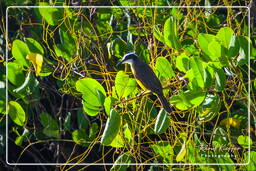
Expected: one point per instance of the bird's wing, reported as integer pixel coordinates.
(147, 77)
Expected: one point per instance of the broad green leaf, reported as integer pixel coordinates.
(127, 133)
(89, 87)
(170, 33)
(52, 16)
(2, 107)
(19, 51)
(117, 142)
(34, 46)
(182, 62)
(112, 128)
(24, 84)
(15, 74)
(158, 35)
(187, 100)
(19, 140)
(16, 113)
(124, 85)
(244, 141)
(207, 78)
(94, 129)
(233, 47)
(89, 109)
(37, 61)
(198, 71)
(243, 50)
(80, 137)
(124, 158)
(252, 158)
(162, 122)
(164, 150)
(204, 41)
(220, 82)
(82, 120)
(225, 35)
(52, 132)
(209, 108)
(164, 68)
(61, 50)
(67, 41)
(214, 49)
(119, 47)
(67, 122)
(48, 122)
(109, 102)
(224, 159)
(180, 156)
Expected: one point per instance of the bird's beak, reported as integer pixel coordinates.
(119, 63)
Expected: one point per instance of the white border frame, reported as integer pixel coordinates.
(77, 7)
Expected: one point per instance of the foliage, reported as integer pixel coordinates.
(64, 87)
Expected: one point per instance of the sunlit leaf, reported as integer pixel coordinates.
(164, 68)
(204, 41)
(198, 71)
(15, 74)
(244, 141)
(34, 46)
(220, 82)
(162, 122)
(180, 156)
(124, 158)
(19, 51)
(251, 158)
(164, 150)
(89, 87)
(16, 113)
(37, 61)
(182, 62)
(112, 128)
(51, 15)
(225, 35)
(187, 100)
(170, 33)
(108, 103)
(124, 85)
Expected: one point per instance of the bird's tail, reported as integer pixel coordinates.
(164, 102)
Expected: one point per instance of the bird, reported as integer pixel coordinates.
(145, 77)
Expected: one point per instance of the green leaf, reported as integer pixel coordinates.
(48, 122)
(243, 50)
(127, 133)
(112, 128)
(187, 100)
(251, 158)
(162, 122)
(67, 41)
(164, 150)
(182, 62)
(82, 120)
(204, 41)
(124, 158)
(16, 113)
(15, 74)
(207, 78)
(225, 35)
(124, 85)
(214, 49)
(52, 132)
(158, 35)
(34, 46)
(89, 87)
(118, 142)
(108, 103)
(209, 108)
(244, 141)
(80, 138)
(19, 51)
(67, 122)
(170, 33)
(164, 68)
(233, 48)
(183, 151)
(52, 16)
(198, 71)
(94, 128)
(19, 140)
(220, 82)
(119, 47)
(61, 50)
(89, 109)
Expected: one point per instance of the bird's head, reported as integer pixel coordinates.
(128, 58)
